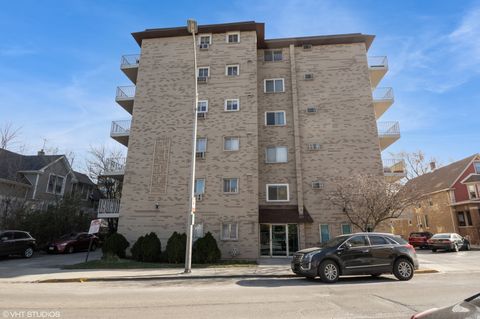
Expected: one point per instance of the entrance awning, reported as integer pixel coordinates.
(285, 214)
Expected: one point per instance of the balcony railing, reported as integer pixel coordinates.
(377, 62)
(125, 92)
(108, 208)
(115, 165)
(121, 127)
(393, 166)
(388, 128)
(382, 94)
(130, 60)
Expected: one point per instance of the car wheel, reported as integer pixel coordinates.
(328, 271)
(467, 246)
(403, 269)
(434, 250)
(375, 275)
(70, 249)
(455, 248)
(93, 248)
(28, 252)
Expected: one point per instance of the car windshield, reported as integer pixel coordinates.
(417, 235)
(334, 242)
(69, 236)
(441, 236)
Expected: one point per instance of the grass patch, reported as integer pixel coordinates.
(132, 264)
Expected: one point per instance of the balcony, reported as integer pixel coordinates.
(388, 133)
(125, 97)
(120, 131)
(394, 169)
(129, 66)
(378, 66)
(108, 208)
(382, 100)
(115, 168)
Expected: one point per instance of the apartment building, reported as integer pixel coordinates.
(278, 121)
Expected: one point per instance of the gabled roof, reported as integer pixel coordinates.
(82, 178)
(441, 178)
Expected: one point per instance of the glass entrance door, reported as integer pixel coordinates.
(278, 240)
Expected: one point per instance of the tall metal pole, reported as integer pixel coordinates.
(192, 28)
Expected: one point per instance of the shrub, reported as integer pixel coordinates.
(115, 244)
(151, 248)
(176, 247)
(137, 249)
(205, 250)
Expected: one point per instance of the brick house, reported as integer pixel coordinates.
(451, 201)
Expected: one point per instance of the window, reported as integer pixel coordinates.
(233, 37)
(197, 231)
(229, 231)
(205, 39)
(231, 143)
(55, 184)
(324, 233)
(307, 46)
(232, 70)
(274, 86)
(377, 240)
(317, 185)
(232, 105)
(358, 241)
(469, 218)
(275, 118)
(277, 193)
(201, 147)
(346, 229)
(461, 219)
(20, 235)
(308, 76)
(202, 106)
(230, 185)
(313, 147)
(425, 221)
(472, 192)
(272, 55)
(277, 154)
(311, 109)
(199, 186)
(419, 220)
(203, 72)
(477, 167)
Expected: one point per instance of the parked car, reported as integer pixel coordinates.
(16, 242)
(448, 241)
(357, 254)
(469, 308)
(73, 242)
(419, 239)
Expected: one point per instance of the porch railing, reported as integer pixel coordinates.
(377, 62)
(108, 208)
(125, 92)
(121, 127)
(391, 128)
(393, 166)
(115, 164)
(383, 94)
(130, 60)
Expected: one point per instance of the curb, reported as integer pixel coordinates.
(426, 271)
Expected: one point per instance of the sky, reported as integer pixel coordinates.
(60, 63)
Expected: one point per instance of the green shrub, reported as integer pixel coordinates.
(176, 247)
(151, 248)
(137, 249)
(115, 245)
(205, 250)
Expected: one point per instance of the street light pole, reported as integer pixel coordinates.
(192, 28)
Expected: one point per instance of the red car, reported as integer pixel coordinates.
(73, 242)
(419, 239)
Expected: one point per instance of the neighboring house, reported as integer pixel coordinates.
(451, 201)
(41, 179)
(278, 121)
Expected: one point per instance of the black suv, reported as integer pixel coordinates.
(16, 242)
(357, 254)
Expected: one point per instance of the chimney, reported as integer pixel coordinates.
(41, 152)
(433, 166)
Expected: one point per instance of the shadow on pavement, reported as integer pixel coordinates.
(300, 281)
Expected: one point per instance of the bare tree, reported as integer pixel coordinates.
(368, 200)
(8, 135)
(417, 164)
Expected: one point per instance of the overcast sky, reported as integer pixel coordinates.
(59, 62)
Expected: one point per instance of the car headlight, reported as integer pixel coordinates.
(308, 257)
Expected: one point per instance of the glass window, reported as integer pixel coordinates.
(477, 167)
(324, 233)
(232, 70)
(231, 143)
(51, 184)
(233, 38)
(232, 105)
(277, 192)
(469, 218)
(55, 184)
(472, 192)
(20, 235)
(229, 231)
(346, 229)
(7, 235)
(201, 145)
(377, 240)
(197, 231)
(203, 72)
(425, 219)
(230, 185)
(275, 118)
(274, 85)
(358, 241)
(205, 39)
(275, 55)
(202, 106)
(199, 186)
(461, 219)
(277, 154)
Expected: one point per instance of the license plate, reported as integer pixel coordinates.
(51, 248)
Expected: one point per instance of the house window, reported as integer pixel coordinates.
(477, 167)
(232, 70)
(274, 86)
(317, 184)
(425, 221)
(419, 221)
(346, 229)
(277, 193)
(202, 106)
(230, 185)
(229, 231)
(314, 147)
(277, 154)
(205, 39)
(472, 192)
(198, 231)
(201, 147)
(275, 118)
(203, 72)
(232, 105)
(55, 184)
(461, 219)
(199, 186)
(272, 55)
(233, 37)
(324, 233)
(231, 143)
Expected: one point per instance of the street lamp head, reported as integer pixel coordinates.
(192, 26)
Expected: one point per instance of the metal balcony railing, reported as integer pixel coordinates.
(388, 128)
(121, 127)
(108, 208)
(115, 165)
(125, 92)
(130, 60)
(393, 166)
(380, 94)
(377, 62)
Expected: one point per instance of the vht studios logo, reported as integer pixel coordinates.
(31, 314)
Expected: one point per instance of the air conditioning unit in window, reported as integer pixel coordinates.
(311, 109)
(317, 185)
(201, 115)
(308, 76)
(204, 46)
(200, 155)
(313, 147)
(202, 79)
(307, 46)
(198, 197)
